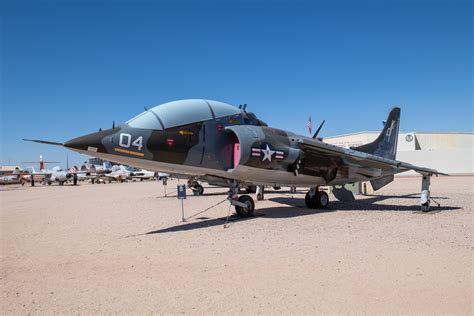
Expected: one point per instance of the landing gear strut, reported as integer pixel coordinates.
(316, 199)
(425, 193)
(244, 204)
(260, 192)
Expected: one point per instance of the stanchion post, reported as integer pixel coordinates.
(181, 188)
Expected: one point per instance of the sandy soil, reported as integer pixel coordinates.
(121, 248)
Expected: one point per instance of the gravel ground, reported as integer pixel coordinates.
(121, 248)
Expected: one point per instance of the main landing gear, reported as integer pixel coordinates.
(316, 199)
(244, 204)
(194, 185)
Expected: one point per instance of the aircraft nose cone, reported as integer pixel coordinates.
(91, 142)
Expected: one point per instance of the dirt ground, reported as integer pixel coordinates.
(121, 248)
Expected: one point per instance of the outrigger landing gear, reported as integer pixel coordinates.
(316, 199)
(260, 192)
(194, 185)
(244, 204)
(425, 193)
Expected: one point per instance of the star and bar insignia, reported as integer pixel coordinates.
(267, 153)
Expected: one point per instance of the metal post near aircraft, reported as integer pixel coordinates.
(181, 189)
(165, 183)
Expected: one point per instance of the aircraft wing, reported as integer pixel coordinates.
(320, 153)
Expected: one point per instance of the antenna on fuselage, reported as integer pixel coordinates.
(319, 128)
(245, 106)
(240, 106)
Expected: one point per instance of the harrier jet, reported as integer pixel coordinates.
(224, 145)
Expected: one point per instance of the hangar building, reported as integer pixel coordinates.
(448, 152)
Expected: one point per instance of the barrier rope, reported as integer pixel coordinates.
(207, 209)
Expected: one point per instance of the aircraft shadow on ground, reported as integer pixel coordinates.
(370, 204)
(298, 209)
(205, 222)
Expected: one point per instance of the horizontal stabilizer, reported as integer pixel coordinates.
(342, 194)
(43, 142)
(381, 182)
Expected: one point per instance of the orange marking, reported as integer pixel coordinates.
(126, 151)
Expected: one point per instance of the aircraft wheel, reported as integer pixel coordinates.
(49, 182)
(198, 189)
(110, 180)
(245, 212)
(309, 200)
(321, 200)
(251, 189)
(276, 187)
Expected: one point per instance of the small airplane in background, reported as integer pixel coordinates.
(17, 176)
(119, 173)
(142, 174)
(227, 146)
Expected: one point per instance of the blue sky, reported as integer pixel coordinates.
(69, 68)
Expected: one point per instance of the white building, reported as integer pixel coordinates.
(447, 152)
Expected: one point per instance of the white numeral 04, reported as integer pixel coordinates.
(126, 139)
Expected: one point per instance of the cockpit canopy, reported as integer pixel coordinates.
(182, 112)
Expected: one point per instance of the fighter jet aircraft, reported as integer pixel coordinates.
(119, 173)
(142, 174)
(224, 145)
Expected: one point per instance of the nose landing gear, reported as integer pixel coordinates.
(194, 185)
(316, 199)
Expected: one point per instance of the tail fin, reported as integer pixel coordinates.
(386, 143)
(41, 164)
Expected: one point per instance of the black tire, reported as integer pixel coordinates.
(198, 190)
(245, 212)
(309, 201)
(251, 189)
(276, 187)
(321, 200)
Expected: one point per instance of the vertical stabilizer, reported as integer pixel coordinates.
(41, 164)
(386, 143)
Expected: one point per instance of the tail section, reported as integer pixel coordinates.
(41, 164)
(386, 143)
